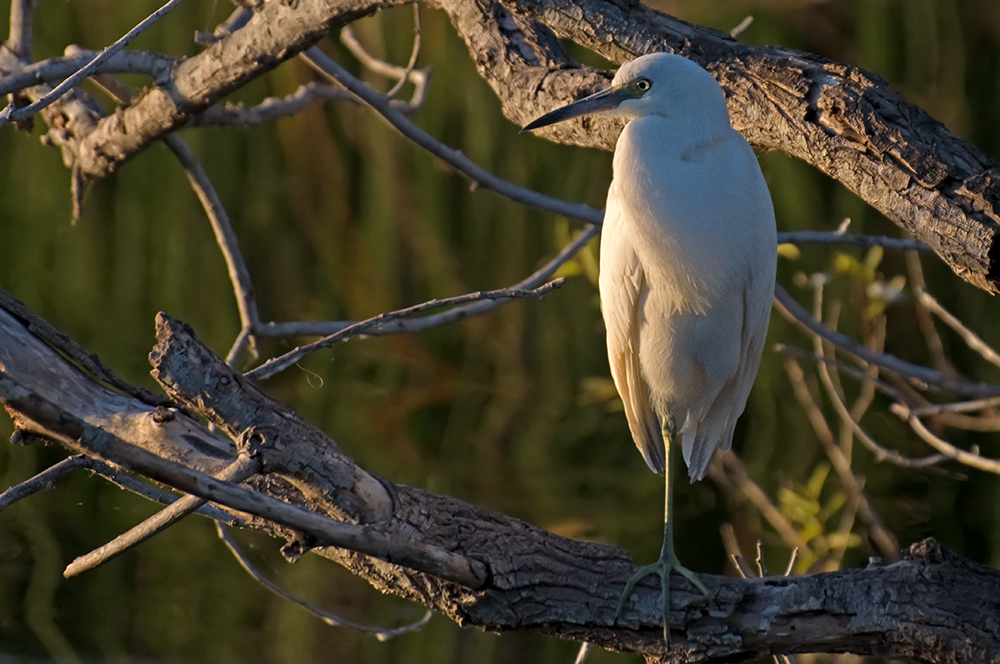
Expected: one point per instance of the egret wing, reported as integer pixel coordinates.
(623, 290)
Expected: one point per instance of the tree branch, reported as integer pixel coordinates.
(535, 580)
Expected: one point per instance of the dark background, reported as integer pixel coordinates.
(340, 218)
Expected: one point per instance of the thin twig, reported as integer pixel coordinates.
(583, 653)
(971, 339)
(876, 342)
(732, 547)
(741, 27)
(270, 109)
(729, 464)
(155, 65)
(881, 453)
(480, 176)
(11, 114)
(827, 237)
(414, 54)
(240, 17)
(973, 459)
(43, 481)
(403, 75)
(243, 468)
(883, 538)
(222, 227)
(925, 320)
(761, 568)
(132, 485)
(282, 362)
(922, 376)
(380, 67)
(242, 339)
(380, 633)
(854, 372)
(967, 423)
(958, 407)
(791, 561)
(464, 312)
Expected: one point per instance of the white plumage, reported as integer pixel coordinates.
(688, 255)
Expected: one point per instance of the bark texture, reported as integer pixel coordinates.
(933, 606)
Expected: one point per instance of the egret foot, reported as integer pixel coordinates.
(663, 567)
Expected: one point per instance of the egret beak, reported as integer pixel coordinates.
(605, 100)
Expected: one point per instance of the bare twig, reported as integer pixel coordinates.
(242, 339)
(791, 561)
(380, 633)
(402, 74)
(836, 398)
(243, 468)
(827, 237)
(732, 547)
(583, 653)
(480, 176)
(728, 464)
(883, 538)
(225, 236)
(881, 453)
(240, 17)
(132, 485)
(959, 407)
(414, 54)
(154, 65)
(923, 376)
(925, 320)
(971, 339)
(43, 481)
(282, 362)
(270, 109)
(11, 114)
(973, 459)
(741, 27)
(324, 328)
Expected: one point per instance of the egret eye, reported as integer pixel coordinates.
(643, 84)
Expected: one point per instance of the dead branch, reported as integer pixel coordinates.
(534, 580)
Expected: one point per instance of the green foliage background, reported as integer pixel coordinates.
(340, 218)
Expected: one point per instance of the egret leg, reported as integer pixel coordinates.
(667, 562)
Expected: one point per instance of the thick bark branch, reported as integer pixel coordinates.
(933, 606)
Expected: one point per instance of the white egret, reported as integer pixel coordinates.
(688, 255)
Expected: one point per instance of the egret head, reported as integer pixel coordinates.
(655, 84)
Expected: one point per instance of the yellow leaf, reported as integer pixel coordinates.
(789, 251)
